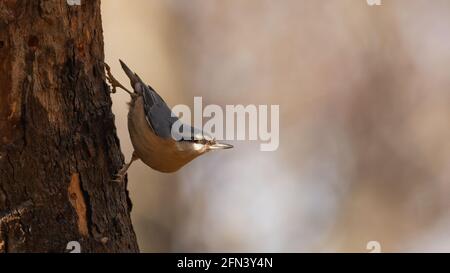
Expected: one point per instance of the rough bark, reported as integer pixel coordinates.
(59, 147)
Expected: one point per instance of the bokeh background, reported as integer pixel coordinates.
(364, 95)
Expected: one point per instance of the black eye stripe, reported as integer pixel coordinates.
(200, 141)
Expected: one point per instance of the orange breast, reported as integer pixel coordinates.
(163, 155)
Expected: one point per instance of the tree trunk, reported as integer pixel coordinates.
(59, 148)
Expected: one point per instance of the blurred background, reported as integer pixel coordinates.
(364, 95)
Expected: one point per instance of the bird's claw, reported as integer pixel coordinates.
(113, 88)
(113, 82)
(119, 178)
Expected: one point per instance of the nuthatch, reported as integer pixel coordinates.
(150, 123)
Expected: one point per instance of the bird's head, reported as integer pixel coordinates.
(197, 141)
(206, 145)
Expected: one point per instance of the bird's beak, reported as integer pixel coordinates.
(220, 146)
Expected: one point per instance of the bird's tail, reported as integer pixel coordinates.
(134, 78)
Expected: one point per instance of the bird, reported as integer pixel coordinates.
(150, 122)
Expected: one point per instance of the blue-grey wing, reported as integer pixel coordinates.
(161, 118)
(157, 113)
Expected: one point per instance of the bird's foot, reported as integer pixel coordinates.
(113, 86)
(120, 176)
(113, 82)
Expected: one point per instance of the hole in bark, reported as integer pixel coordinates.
(33, 41)
(2, 44)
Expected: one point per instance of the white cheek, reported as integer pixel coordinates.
(198, 146)
(183, 147)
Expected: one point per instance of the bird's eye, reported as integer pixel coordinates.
(201, 141)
